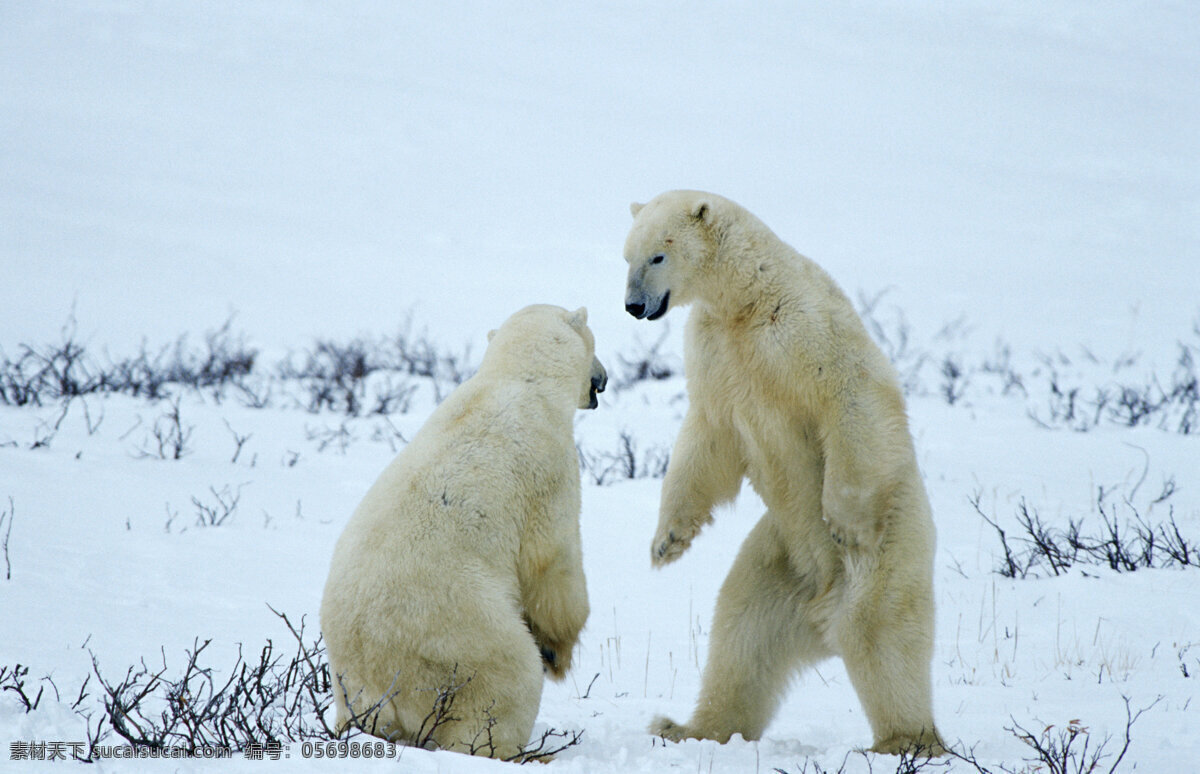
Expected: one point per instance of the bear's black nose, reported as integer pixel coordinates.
(637, 310)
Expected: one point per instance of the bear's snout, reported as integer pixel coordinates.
(599, 382)
(652, 310)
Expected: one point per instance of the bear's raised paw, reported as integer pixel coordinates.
(667, 548)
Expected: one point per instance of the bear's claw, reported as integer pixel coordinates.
(666, 550)
(668, 729)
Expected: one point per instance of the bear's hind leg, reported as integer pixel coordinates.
(761, 634)
(886, 641)
(490, 723)
(491, 708)
(374, 707)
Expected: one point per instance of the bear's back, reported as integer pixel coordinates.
(470, 477)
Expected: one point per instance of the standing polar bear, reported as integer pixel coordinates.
(460, 576)
(786, 389)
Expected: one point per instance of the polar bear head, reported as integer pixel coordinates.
(673, 239)
(547, 343)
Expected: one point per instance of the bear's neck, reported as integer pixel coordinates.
(746, 275)
(551, 381)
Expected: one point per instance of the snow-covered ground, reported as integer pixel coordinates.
(1000, 178)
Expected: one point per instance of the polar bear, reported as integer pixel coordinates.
(459, 578)
(786, 389)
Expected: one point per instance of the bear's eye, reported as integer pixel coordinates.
(654, 261)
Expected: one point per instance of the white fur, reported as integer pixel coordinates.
(462, 568)
(786, 389)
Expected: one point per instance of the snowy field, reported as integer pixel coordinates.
(221, 208)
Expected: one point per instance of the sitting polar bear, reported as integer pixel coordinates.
(786, 389)
(459, 577)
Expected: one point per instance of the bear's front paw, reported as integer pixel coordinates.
(668, 547)
(556, 661)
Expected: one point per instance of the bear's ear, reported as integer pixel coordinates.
(635, 208)
(491, 334)
(702, 211)
(578, 318)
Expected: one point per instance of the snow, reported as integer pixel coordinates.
(333, 170)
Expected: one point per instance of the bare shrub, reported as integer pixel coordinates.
(19, 379)
(1123, 543)
(625, 462)
(277, 697)
(53, 372)
(65, 370)
(893, 335)
(12, 682)
(1000, 365)
(1170, 403)
(223, 508)
(239, 441)
(338, 438)
(45, 432)
(6, 524)
(273, 698)
(1070, 749)
(646, 364)
(954, 380)
(333, 375)
(169, 438)
(392, 395)
(223, 360)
